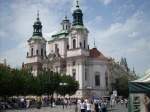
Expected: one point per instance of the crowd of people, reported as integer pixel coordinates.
(82, 104)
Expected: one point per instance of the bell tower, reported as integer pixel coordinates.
(78, 35)
(37, 48)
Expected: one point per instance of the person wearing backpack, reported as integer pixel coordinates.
(103, 107)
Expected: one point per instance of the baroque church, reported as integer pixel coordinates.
(70, 55)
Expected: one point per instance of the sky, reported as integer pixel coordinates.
(121, 28)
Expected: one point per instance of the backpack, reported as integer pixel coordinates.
(103, 106)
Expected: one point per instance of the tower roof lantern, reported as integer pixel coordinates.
(77, 9)
(37, 27)
(37, 22)
(65, 19)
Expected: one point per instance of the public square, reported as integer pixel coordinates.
(59, 108)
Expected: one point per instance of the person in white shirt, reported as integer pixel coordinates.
(22, 103)
(88, 106)
(82, 105)
(78, 104)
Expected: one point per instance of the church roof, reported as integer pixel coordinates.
(96, 54)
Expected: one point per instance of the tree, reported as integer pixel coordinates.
(71, 87)
(48, 81)
(121, 85)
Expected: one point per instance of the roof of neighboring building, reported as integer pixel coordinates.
(96, 54)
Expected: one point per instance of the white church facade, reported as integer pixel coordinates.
(70, 55)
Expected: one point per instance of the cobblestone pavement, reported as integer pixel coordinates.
(119, 108)
(59, 108)
(45, 109)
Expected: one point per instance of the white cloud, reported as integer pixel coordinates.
(133, 34)
(106, 2)
(2, 34)
(17, 55)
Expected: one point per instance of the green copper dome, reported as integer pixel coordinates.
(65, 20)
(37, 22)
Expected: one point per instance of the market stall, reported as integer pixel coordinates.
(139, 94)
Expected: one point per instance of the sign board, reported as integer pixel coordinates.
(138, 103)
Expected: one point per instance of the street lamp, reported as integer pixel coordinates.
(63, 85)
(89, 88)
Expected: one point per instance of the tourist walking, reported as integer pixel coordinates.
(39, 102)
(88, 106)
(78, 104)
(22, 101)
(82, 105)
(126, 102)
(103, 106)
(96, 106)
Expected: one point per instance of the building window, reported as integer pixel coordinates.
(66, 27)
(74, 43)
(74, 63)
(31, 51)
(74, 75)
(97, 80)
(85, 76)
(42, 52)
(84, 43)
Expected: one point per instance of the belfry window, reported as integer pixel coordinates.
(74, 43)
(41, 51)
(84, 43)
(97, 80)
(31, 51)
(85, 76)
(74, 63)
(74, 75)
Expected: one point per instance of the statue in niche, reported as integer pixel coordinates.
(80, 44)
(36, 52)
(57, 50)
(58, 55)
(27, 54)
(67, 46)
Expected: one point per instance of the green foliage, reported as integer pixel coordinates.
(121, 85)
(71, 87)
(22, 82)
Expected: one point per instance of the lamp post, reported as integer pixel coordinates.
(63, 85)
(89, 89)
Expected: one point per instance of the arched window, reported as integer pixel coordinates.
(84, 43)
(41, 51)
(74, 43)
(85, 76)
(31, 51)
(74, 75)
(55, 48)
(97, 80)
(74, 63)
(66, 27)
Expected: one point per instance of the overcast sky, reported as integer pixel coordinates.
(120, 27)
